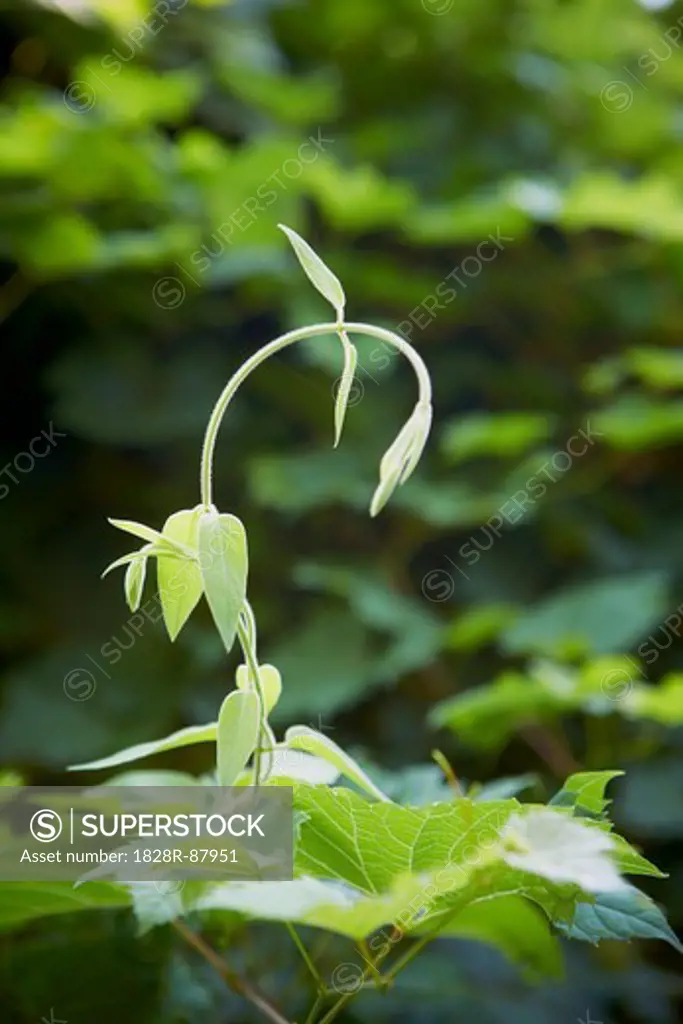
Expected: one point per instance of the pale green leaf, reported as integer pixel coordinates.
(344, 389)
(336, 908)
(127, 559)
(134, 582)
(183, 738)
(222, 545)
(138, 530)
(289, 766)
(301, 737)
(320, 275)
(180, 580)
(271, 681)
(238, 729)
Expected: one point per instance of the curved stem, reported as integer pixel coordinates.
(276, 346)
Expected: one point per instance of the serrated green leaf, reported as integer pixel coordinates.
(301, 737)
(620, 915)
(318, 273)
(183, 738)
(586, 790)
(222, 547)
(238, 729)
(368, 845)
(630, 862)
(134, 582)
(344, 389)
(180, 580)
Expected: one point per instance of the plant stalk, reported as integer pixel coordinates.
(312, 331)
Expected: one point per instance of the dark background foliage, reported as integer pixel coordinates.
(144, 166)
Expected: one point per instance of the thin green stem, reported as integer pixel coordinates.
(388, 337)
(420, 944)
(319, 983)
(250, 658)
(313, 1012)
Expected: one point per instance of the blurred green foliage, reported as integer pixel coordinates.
(501, 182)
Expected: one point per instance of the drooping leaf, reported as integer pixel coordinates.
(318, 273)
(238, 729)
(301, 737)
(138, 530)
(222, 546)
(344, 389)
(183, 738)
(134, 582)
(180, 580)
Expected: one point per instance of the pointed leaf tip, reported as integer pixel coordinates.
(345, 385)
(318, 273)
(134, 581)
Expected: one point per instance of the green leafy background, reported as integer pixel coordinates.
(542, 644)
